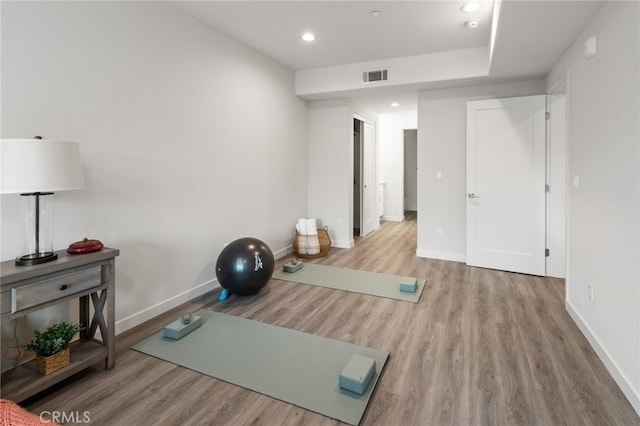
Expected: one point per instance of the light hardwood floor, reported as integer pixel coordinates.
(482, 347)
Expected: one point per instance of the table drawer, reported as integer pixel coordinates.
(53, 288)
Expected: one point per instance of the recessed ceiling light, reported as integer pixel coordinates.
(375, 13)
(473, 6)
(395, 105)
(308, 37)
(472, 24)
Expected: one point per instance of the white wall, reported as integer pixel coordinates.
(604, 211)
(391, 161)
(188, 140)
(442, 147)
(330, 168)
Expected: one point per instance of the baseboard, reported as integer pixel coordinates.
(162, 307)
(278, 254)
(442, 255)
(392, 218)
(618, 376)
(342, 244)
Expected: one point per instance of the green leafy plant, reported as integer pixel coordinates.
(54, 339)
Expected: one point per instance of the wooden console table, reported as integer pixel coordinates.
(26, 289)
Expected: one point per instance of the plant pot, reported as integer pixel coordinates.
(48, 364)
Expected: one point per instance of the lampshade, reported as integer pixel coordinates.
(39, 165)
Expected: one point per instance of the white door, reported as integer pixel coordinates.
(369, 217)
(506, 184)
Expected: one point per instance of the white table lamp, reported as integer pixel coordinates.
(36, 168)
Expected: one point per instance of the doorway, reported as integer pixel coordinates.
(410, 170)
(365, 217)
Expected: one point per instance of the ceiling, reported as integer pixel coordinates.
(530, 37)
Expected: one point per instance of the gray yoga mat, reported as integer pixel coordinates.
(292, 366)
(372, 283)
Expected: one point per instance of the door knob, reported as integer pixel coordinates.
(472, 196)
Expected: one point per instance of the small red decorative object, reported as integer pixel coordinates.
(85, 246)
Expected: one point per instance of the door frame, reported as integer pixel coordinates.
(557, 177)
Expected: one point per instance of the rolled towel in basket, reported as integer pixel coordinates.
(307, 226)
(308, 242)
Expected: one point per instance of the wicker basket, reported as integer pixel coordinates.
(49, 364)
(323, 239)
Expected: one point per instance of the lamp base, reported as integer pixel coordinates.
(35, 258)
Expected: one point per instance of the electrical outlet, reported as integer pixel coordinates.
(590, 290)
(438, 230)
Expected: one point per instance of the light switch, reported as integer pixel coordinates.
(590, 47)
(576, 182)
(439, 175)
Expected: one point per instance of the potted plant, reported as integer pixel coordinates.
(52, 346)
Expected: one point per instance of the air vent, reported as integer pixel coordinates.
(373, 76)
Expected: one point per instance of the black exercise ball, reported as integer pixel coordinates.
(245, 266)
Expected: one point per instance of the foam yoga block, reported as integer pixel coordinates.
(292, 266)
(409, 284)
(357, 374)
(178, 329)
